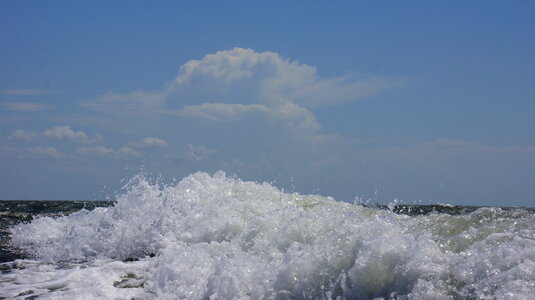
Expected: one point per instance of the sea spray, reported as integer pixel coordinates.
(223, 238)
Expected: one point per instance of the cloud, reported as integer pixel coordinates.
(220, 111)
(150, 142)
(198, 152)
(24, 106)
(25, 135)
(133, 102)
(267, 69)
(28, 92)
(65, 132)
(288, 113)
(59, 133)
(127, 151)
(84, 144)
(105, 152)
(232, 84)
(295, 116)
(96, 151)
(342, 90)
(273, 79)
(46, 151)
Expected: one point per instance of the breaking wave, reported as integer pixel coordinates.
(215, 237)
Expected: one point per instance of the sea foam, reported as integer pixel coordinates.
(216, 237)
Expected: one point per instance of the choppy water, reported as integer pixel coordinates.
(214, 237)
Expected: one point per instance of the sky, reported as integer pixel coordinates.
(416, 101)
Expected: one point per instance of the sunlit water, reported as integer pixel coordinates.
(215, 237)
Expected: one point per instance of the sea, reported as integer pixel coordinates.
(211, 236)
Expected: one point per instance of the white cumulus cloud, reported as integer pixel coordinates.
(231, 84)
(66, 133)
(266, 77)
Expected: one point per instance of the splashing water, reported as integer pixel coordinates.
(215, 237)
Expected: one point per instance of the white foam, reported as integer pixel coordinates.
(223, 238)
(96, 279)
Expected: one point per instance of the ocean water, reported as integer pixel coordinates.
(216, 237)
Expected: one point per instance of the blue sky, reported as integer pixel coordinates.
(419, 100)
